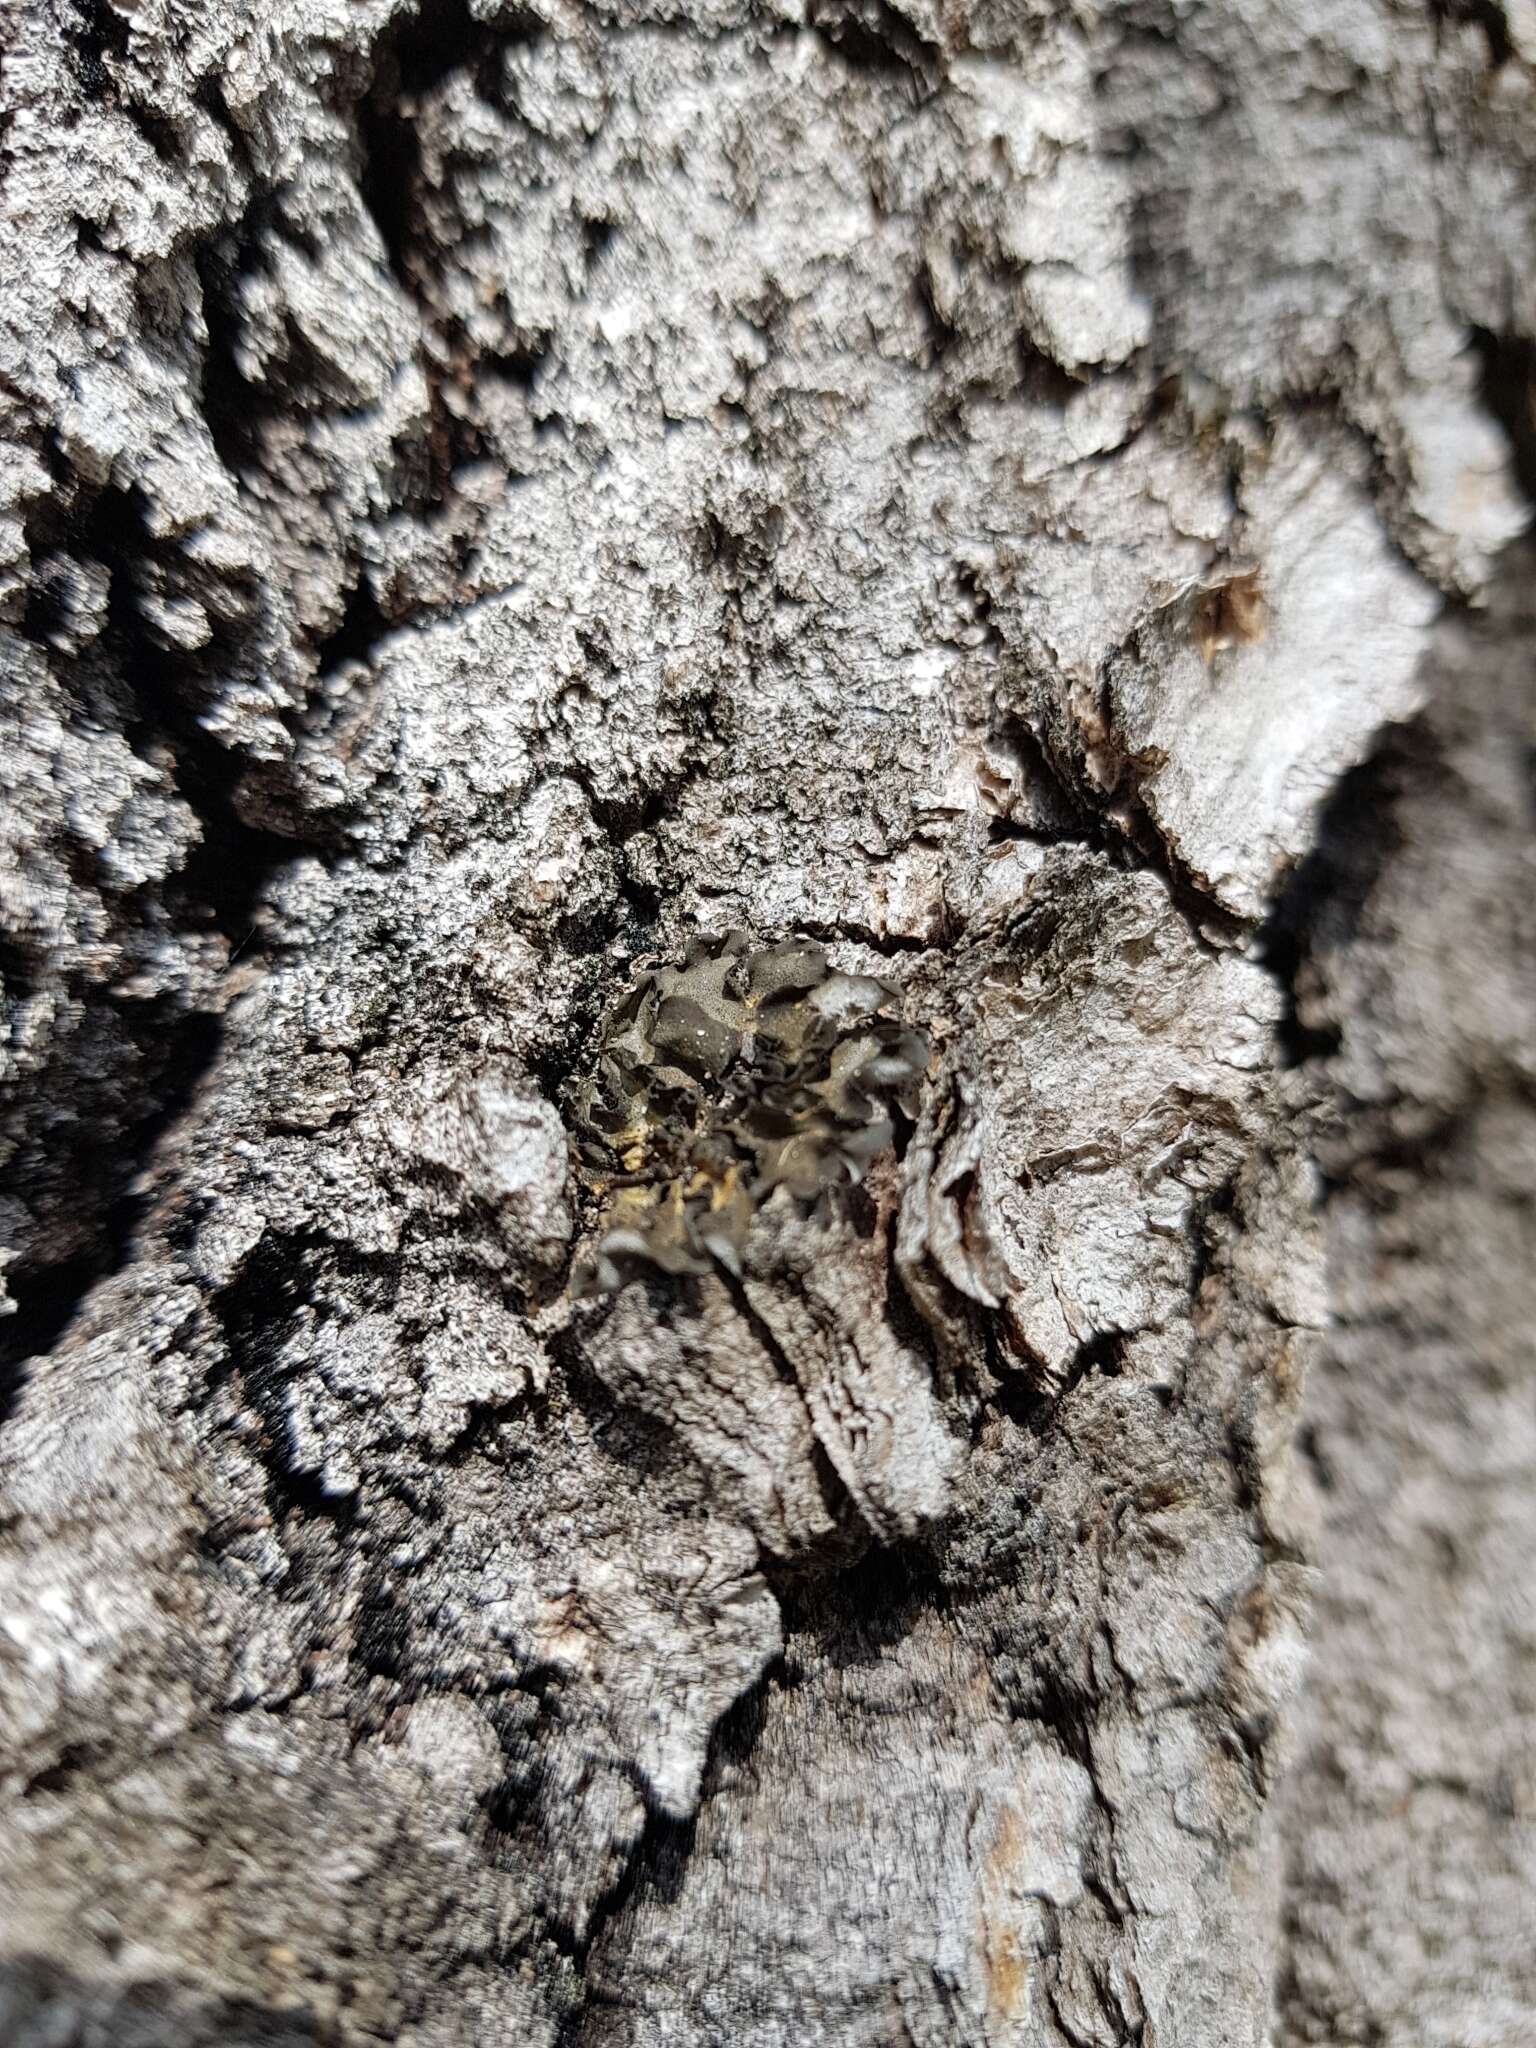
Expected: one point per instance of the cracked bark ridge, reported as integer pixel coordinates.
(491, 494)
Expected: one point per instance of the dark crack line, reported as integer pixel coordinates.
(659, 1863)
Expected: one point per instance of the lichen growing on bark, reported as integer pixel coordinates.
(743, 1069)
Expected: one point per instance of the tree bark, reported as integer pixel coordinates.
(766, 920)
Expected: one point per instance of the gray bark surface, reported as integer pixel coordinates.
(1025, 499)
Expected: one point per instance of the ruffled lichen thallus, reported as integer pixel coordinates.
(746, 1069)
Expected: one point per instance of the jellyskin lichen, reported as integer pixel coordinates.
(744, 1069)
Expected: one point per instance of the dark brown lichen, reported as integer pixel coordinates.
(745, 1069)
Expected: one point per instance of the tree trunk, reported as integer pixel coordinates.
(767, 928)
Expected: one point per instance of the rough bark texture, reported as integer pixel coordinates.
(1014, 496)
(1411, 1824)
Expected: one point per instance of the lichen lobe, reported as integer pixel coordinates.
(743, 1070)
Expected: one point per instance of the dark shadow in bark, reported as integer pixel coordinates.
(423, 49)
(43, 2005)
(1327, 893)
(48, 1296)
(1509, 392)
(657, 1870)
